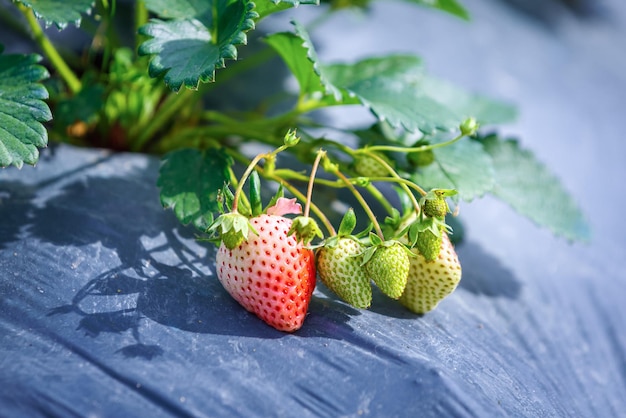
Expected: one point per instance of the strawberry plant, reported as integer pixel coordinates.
(156, 89)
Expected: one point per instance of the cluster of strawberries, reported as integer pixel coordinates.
(267, 263)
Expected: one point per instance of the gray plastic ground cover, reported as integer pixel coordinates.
(108, 307)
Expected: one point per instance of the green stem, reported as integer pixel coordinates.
(399, 180)
(294, 191)
(294, 175)
(242, 181)
(309, 192)
(108, 37)
(166, 112)
(50, 51)
(176, 101)
(421, 148)
(141, 18)
(380, 198)
(363, 203)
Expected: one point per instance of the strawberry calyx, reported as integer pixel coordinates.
(377, 243)
(346, 227)
(232, 229)
(425, 234)
(305, 229)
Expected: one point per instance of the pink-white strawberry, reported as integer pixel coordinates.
(431, 281)
(270, 273)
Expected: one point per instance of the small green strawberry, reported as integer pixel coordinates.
(425, 235)
(431, 281)
(428, 243)
(387, 264)
(421, 158)
(367, 166)
(434, 202)
(339, 265)
(435, 207)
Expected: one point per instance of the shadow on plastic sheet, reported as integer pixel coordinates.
(550, 12)
(166, 274)
(163, 274)
(483, 274)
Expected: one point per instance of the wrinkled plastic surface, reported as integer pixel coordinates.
(108, 307)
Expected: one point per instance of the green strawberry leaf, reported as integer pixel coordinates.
(190, 180)
(187, 51)
(22, 109)
(267, 7)
(466, 105)
(463, 165)
(451, 6)
(397, 90)
(178, 9)
(292, 50)
(311, 54)
(533, 191)
(59, 12)
(388, 87)
(84, 106)
(256, 205)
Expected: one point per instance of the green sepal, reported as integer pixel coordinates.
(426, 223)
(232, 229)
(348, 223)
(256, 206)
(305, 229)
(291, 138)
(441, 193)
(391, 223)
(375, 239)
(376, 243)
(226, 197)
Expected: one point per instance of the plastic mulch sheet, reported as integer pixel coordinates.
(110, 308)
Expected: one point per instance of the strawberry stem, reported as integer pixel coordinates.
(242, 181)
(380, 198)
(321, 153)
(362, 201)
(421, 148)
(402, 182)
(294, 191)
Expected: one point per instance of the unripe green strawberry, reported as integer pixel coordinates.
(422, 158)
(431, 281)
(339, 267)
(428, 244)
(367, 166)
(389, 267)
(436, 208)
